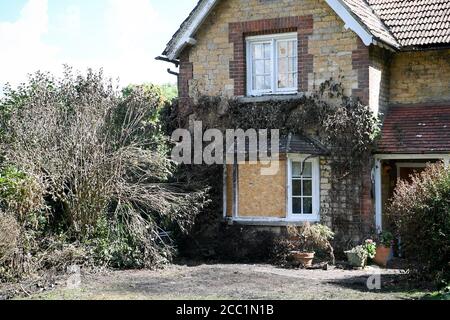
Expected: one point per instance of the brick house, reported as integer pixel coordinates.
(394, 55)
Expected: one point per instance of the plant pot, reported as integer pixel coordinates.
(355, 260)
(303, 258)
(383, 256)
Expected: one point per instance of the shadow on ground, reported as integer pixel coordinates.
(391, 283)
(235, 281)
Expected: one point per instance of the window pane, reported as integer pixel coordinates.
(283, 81)
(267, 66)
(283, 65)
(307, 206)
(267, 49)
(259, 67)
(294, 80)
(287, 64)
(290, 82)
(297, 188)
(258, 84)
(307, 188)
(296, 169)
(307, 171)
(293, 48)
(297, 205)
(267, 81)
(287, 48)
(283, 49)
(292, 65)
(258, 51)
(302, 188)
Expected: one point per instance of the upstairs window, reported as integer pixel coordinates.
(272, 64)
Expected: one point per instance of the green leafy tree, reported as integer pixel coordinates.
(169, 91)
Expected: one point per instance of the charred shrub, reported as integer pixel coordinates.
(245, 244)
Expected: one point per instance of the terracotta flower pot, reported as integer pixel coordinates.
(304, 258)
(383, 256)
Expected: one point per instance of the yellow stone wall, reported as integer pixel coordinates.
(331, 44)
(420, 77)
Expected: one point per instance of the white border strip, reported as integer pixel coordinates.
(186, 37)
(350, 21)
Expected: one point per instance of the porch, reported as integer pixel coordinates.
(389, 170)
(412, 137)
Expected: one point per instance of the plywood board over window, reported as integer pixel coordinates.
(261, 196)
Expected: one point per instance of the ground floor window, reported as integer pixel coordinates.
(304, 189)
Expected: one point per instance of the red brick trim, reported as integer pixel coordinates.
(361, 62)
(303, 25)
(186, 74)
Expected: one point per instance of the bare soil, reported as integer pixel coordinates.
(234, 281)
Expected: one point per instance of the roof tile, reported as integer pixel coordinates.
(429, 18)
(416, 129)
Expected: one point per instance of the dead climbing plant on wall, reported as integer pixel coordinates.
(343, 124)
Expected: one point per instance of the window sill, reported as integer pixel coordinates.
(269, 222)
(271, 97)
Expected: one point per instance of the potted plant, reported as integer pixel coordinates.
(357, 257)
(371, 248)
(307, 239)
(384, 249)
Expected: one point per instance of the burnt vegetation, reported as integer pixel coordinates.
(85, 177)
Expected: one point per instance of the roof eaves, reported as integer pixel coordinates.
(393, 44)
(188, 28)
(351, 21)
(381, 35)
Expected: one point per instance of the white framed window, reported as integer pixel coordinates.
(272, 64)
(303, 189)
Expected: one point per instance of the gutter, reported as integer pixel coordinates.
(174, 61)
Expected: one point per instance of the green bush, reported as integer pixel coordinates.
(371, 248)
(112, 245)
(421, 213)
(20, 194)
